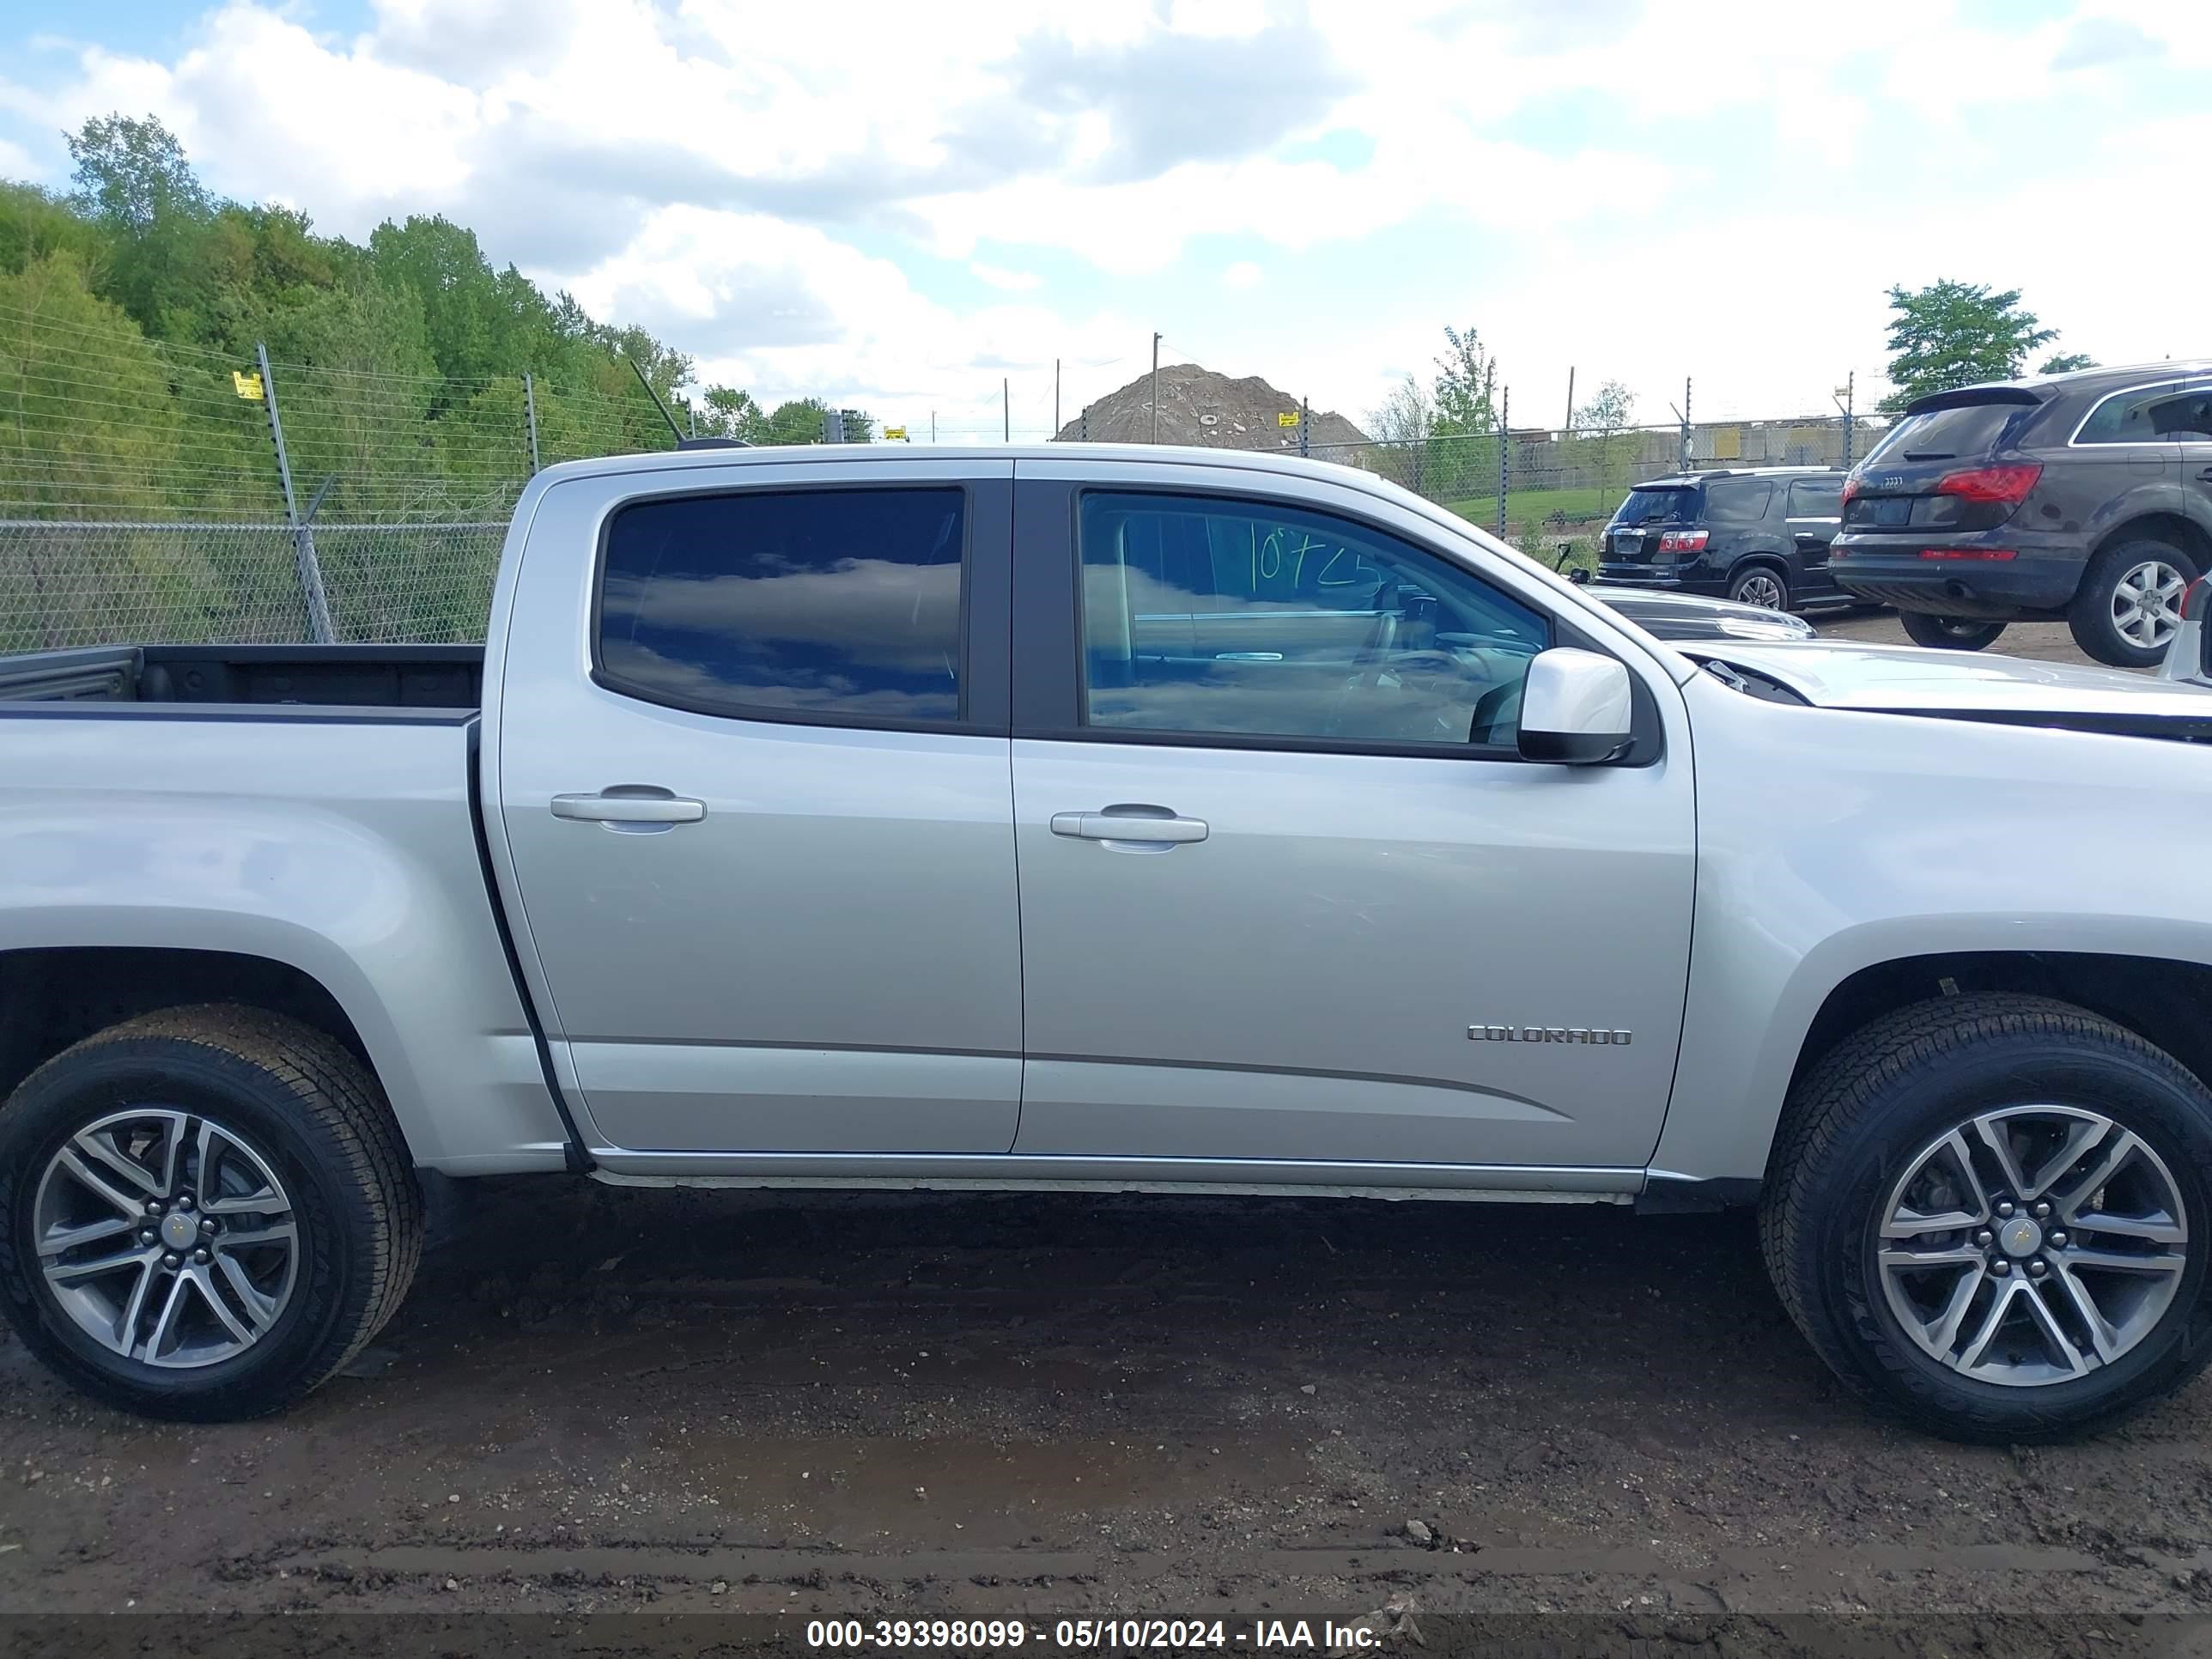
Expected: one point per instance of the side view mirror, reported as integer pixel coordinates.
(1575, 707)
(1579, 576)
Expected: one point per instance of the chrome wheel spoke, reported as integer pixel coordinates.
(165, 1323)
(1992, 1133)
(239, 1331)
(98, 1182)
(260, 1308)
(2118, 1261)
(2055, 1338)
(2104, 1335)
(56, 1240)
(247, 1238)
(1986, 1332)
(64, 1272)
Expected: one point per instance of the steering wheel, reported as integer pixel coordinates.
(1418, 663)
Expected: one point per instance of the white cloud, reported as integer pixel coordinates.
(1013, 281)
(752, 189)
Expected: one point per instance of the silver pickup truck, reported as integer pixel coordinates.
(1101, 818)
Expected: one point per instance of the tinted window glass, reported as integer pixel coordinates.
(2189, 417)
(1945, 434)
(1737, 500)
(827, 602)
(2150, 416)
(1670, 505)
(1225, 617)
(1816, 498)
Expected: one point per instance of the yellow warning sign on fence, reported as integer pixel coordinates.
(249, 385)
(896, 433)
(1288, 418)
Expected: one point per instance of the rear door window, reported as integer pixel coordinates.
(834, 604)
(1738, 501)
(1816, 498)
(1668, 505)
(2144, 414)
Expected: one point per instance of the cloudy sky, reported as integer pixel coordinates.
(897, 205)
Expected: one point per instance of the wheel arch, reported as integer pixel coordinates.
(2159, 999)
(2174, 528)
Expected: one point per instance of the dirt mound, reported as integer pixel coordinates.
(1198, 406)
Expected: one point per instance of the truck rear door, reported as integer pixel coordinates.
(751, 769)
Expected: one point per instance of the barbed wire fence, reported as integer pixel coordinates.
(157, 492)
(153, 491)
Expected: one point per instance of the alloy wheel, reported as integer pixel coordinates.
(2031, 1245)
(2147, 603)
(166, 1237)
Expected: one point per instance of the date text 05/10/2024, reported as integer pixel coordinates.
(1323, 1635)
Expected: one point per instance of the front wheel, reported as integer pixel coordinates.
(1989, 1214)
(1950, 633)
(203, 1212)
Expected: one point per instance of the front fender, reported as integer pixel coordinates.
(1831, 840)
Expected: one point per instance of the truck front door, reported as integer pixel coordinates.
(751, 765)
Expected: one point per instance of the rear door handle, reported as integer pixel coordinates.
(629, 803)
(1149, 823)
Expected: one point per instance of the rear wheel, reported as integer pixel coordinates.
(2130, 603)
(1950, 633)
(1991, 1215)
(203, 1212)
(1760, 585)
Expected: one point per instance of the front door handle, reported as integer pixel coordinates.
(2206, 474)
(1138, 824)
(629, 803)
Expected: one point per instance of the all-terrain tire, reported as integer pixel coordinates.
(310, 1112)
(1866, 1108)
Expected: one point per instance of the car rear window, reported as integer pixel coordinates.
(1670, 504)
(1738, 501)
(1947, 434)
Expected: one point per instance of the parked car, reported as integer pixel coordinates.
(1758, 536)
(1109, 818)
(1693, 616)
(2085, 496)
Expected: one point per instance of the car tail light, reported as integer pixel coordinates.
(2009, 485)
(1969, 552)
(1683, 541)
(1850, 488)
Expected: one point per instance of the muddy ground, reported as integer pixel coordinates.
(599, 1401)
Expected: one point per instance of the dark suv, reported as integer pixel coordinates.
(2086, 496)
(1756, 535)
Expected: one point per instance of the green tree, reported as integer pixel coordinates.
(1611, 407)
(799, 421)
(1466, 394)
(133, 181)
(1954, 334)
(2065, 362)
(731, 413)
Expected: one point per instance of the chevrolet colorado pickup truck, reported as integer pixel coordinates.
(1111, 818)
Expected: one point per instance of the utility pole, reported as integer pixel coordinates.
(933, 426)
(1851, 382)
(1156, 387)
(1305, 421)
(1006, 411)
(1568, 426)
(1055, 398)
(530, 413)
(1685, 413)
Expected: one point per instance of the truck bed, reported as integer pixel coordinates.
(444, 678)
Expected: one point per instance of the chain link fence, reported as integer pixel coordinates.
(1546, 491)
(149, 491)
